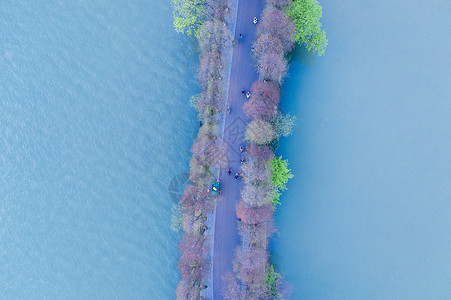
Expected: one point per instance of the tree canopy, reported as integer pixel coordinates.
(189, 15)
(306, 15)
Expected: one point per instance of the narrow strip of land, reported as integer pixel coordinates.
(243, 74)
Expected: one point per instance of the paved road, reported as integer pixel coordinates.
(243, 74)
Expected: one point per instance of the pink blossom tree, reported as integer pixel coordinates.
(253, 215)
(272, 66)
(277, 24)
(262, 152)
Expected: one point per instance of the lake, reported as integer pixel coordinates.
(367, 214)
(95, 122)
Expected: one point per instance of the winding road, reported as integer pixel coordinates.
(243, 74)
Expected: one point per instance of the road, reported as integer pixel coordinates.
(242, 75)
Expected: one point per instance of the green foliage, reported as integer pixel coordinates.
(283, 124)
(280, 176)
(306, 15)
(273, 281)
(189, 15)
(276, 199)
(193, 101)
(176, 218)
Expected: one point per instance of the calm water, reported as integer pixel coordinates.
(94, 123)
(367, 215)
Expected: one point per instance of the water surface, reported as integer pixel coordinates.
(94, 122)
(367, 214)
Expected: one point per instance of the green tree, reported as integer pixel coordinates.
(306, 15)
(279, 178)
(189, 15)
(273, 282)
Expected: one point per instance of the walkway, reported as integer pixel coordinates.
(243, 74)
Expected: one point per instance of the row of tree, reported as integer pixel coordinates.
(206, 20)
(264, 174)
(283, 23)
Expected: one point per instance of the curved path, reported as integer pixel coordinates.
(243, 74)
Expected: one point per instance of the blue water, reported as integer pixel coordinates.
(94, 123)
(367, 215)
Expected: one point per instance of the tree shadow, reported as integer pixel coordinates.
(302, 55)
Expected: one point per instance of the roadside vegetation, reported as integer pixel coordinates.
(283, 23)
(203, 19)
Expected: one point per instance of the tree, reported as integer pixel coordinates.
(263, 102)
(279, 3)
(193, 263)
(260, 132)
(253, 215)
(272, 66)
(256, 234)
(260, 152)
(277, 24)
(256, 196)
(210, 69)
(280, 173)
(217, 9)
(267, 43)
(188, 15)
(256, 172)
(250, 266)
(188, 290)
(274, 283)
(208, 150)
(306, 15)
(283, 124)
(212, 36)
(231, 288)
(197, 200)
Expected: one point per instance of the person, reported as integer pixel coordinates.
(255, 20)
(229, 171)
(241, 148)
(243, 91)
(228, 109)
(236, 176)
(242, 159)
(248, 94)
(241, 37)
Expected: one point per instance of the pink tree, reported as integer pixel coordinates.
(257, 195)
(256, 172)
(279, 3)
(231, 288)
(272, 66)
(196, 200)
(277, 24)
(264, 99)
(253, 215)
(188, 290)
(268, 43)
(210, 69)
(212, 36)
(250, 267)
(256, 234)
(193, 263)
(217, 9)
(262, 152)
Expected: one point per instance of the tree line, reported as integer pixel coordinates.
(205, 19)
(283, 23)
